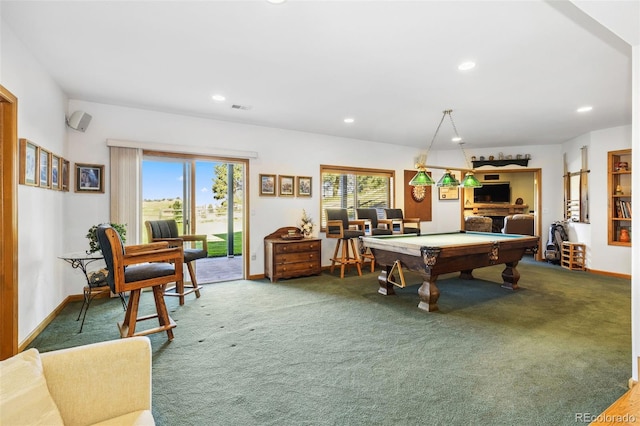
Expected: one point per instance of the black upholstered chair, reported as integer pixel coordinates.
(167, 230)
(371, 227)
(399, 224)
(339, 226)
(135, 267)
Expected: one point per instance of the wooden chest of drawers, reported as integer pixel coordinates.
(291, 258)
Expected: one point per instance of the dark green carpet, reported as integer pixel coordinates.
(326, 351)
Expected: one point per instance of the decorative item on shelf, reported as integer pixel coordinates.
(624, 236)
(94, 246)
(500, 156)
(622, 166)
(619, 190)
(491, 158)
(422, 178)
(306, 224)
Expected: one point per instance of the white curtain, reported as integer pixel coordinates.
(126, 184)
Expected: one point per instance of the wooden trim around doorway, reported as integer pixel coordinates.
(8, 224)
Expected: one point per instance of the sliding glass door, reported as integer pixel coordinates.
(195, 192)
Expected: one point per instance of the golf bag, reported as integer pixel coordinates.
(553, 250)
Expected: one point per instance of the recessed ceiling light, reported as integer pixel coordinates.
(466, 66)
(276, 1)
(586, 108)
(218, 98)
(456, 139)
(349, 120)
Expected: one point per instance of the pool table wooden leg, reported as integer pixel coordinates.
(386, 287)
(429, 294)
(510, 276)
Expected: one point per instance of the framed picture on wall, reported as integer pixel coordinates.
(89, 178)
(55, 172)
(304, 186)
(286, 184)
(44, 168)
(445, 193)
(28, 163)
(64, 175)
(268, 185)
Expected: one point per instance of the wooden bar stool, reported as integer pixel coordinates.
(339, 226)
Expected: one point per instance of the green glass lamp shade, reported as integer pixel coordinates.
(448, 180)
(421, 179)
(470, 181)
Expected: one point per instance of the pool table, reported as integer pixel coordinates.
(434, 254)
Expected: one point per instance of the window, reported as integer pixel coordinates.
(354, 188)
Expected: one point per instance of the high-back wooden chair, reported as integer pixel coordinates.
(371, 227)
(136, 267)
(167, 230)
(399, 224)
(339, 226)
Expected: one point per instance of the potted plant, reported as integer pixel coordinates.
(94, 245)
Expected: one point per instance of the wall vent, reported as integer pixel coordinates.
(491, 177)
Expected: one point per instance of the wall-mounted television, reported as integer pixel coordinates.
(492, 193)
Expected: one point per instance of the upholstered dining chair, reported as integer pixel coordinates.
(136, 267)
(399, 224)
(339, 226)
(372, 227)
(167, 230)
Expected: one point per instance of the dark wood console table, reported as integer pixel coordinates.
(288, 257)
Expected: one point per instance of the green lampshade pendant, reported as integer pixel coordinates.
(448, 180)
(470, 181)
(421, 179)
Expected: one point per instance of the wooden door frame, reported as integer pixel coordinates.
(8, 224)
(537, 182)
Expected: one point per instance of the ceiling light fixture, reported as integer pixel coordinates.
(466, 66)
(349, 120)
(218, 98)
(586, 108)
(276, 1)
(422, 178)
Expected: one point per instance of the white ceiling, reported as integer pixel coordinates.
(306, 65)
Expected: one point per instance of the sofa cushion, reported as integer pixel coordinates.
(24, 396)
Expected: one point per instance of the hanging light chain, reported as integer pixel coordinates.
(436, 133)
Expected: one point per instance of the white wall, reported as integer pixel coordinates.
(600, 255)
(41, 115)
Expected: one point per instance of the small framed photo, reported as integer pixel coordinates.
(304, 186)
(44, 167)
(286, 184)
(55, 172)
(28, 163)
(448, 193)
(268, 185)
(64, 175)
(89, 178)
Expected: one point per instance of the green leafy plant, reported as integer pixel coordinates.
(94, 245)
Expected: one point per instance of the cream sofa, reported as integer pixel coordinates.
(106, 383)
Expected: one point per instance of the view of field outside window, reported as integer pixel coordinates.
(166, 193)
(354, 190)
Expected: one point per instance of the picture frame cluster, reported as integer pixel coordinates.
(42, 168)
(285, 185)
